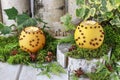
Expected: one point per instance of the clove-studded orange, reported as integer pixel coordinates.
(89, 34)
(31, 39)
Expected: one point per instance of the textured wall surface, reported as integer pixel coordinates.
(20, 5)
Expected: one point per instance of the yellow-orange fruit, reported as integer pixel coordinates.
(89, 34)
(31, 39)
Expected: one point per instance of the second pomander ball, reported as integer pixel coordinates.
(89, 34)
(31, 39)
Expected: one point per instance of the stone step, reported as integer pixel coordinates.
(23, 72)
(9, 72)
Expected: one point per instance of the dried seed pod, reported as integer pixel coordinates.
(92, 35)
(79, 72)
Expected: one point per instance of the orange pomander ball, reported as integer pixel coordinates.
(89, 34)
(31, 39)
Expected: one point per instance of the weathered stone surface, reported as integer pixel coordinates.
(0, 13)
(72, 11)
(20, 5)
(53, 77)
(50, 11)
(28, 73)
(9, 72)
(85, 65)
(61, 58)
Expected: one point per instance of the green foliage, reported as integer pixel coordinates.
(87, 53)
(4, 29)
(51, 68)
(99, 76)
(22, 20)
(12, 13)
(19, 59)
(73, 77)
(68, 39)
(11, 43)
(67, 22)
(6, 45)
(99, 10)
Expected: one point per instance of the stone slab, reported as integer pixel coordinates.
(28, 73)
(53, 77)
(9, 72)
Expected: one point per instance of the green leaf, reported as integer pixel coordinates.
(119, 8)
(80, 2)
(103, 9)
(112, 2)
(5, 30)
(97, 1)
(11, 13)
(66, 19)
(88, 14)
(103, 2)
(28, 22)
(115, 21)
(109, 15)
(1, 25)
(91, 1)
(110, 6)
(92, 11)
(80, 12)
(21, 18)
(117, 2)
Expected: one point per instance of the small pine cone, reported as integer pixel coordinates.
(109, 67)
(14, 52)
(48, 59)
(32, 57)
(50, 53)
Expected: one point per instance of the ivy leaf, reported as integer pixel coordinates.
(108, 15)
(110, 6)
(5, 30)
(67, 22)
(21, 18)
(117, 2)
(80, 2)
(119, 8)
(97, 1)
(28, 22)
(80, 12)
(11, 13)
(92, 11)
(115, 21)
(91, 1)
(103, 2)
(112, 2)
(88, 14)
(103, 9)
(24, 20)
(66, 19)
(1, 25)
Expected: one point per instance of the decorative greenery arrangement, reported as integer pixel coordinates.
(107, 13)
(9, 47)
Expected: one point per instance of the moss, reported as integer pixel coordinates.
(7, 45)
(87, 53)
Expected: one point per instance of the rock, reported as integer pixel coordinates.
(61, 50)
(9, 72)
